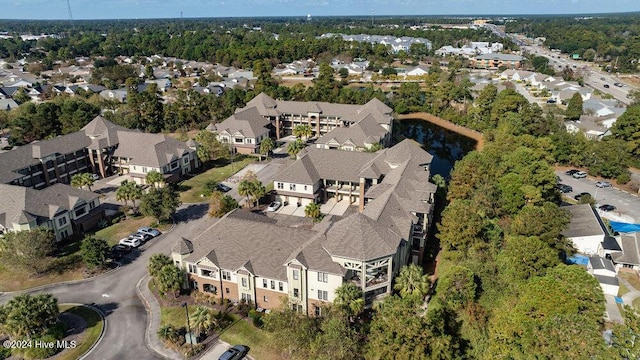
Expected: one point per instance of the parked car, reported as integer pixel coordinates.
(580, 175)
(235, 353)
(563, 188)
(274, 206)
(551, 101)
(606, 86)
(149, 231)
(607, 207)
(141, 236)
(572, 171)
(95, 177)
(118, 251)
(130, 241)
(581, 195)
(603, 184)
(618, 84)
(223, 187)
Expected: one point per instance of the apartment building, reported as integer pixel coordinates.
(252, 257)
(497, 60)
(46, 167)
(61, 208)
(337, 126)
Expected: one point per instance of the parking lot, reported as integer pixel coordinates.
(627, 205)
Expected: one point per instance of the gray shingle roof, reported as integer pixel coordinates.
(248, 122)
(630, 250)
(236, 240)
(359, 237)
(20, 204)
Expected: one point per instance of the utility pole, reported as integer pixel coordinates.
(373, 11)
(69, 10)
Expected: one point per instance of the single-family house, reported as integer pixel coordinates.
(419, 70)
(629, 256)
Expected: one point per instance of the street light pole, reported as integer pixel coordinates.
(184, 305)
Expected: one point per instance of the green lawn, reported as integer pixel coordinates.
(115, 232)
(13, 278)
(242, 332)
(174, 316)
(90, 334)
(190, 190)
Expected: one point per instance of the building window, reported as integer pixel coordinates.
(295, 275)
(264, 283)
(296, 293)
(64, 234)
(244, 282)
(323, 277)
(92, 205)
(305, 187)
(207, 273)
(280, 185)
(323, 295)
(226, 290)
(81, 211)
(292, 187)
(192, 268)
(238, 140)
(226, 275)
(318, 311)
(62, 221)
(273, 285)
(265, 299)
(280, 286)
(209, 288)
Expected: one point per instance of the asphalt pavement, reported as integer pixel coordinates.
(627, 204)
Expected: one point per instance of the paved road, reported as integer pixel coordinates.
(628, 205)
(115, 293)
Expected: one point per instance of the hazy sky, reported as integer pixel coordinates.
(121, 9)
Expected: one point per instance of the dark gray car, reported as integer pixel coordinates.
(235, 353)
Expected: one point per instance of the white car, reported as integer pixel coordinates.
(580, 175)
(274, 206)
(133, 242)
(149, 231)
(141, 236)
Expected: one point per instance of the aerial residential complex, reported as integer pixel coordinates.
(338, 126)
(34, 177)
(253, 257)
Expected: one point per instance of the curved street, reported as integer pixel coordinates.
(115, 293)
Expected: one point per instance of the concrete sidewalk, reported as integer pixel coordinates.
(153, 313)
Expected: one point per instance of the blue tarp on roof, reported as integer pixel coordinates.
(624, 227)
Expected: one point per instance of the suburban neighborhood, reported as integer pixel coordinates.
(319, 188)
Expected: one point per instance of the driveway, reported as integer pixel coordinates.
(265, 171)
(115, 293)
(627, 205)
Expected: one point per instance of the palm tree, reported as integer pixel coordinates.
(81, 180)
(313, 211)
(294, 147)
(257, 190)
(128, 190)
(157, 262)
(123, 192)
(202, 319)
(412, 283)
(154, 178)
(349, 299)
(266, 146)
(303, 131)
(245, 189)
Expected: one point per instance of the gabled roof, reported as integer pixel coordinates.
(248, 121)
(361, 238)
(20, 204)
(630, 249)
